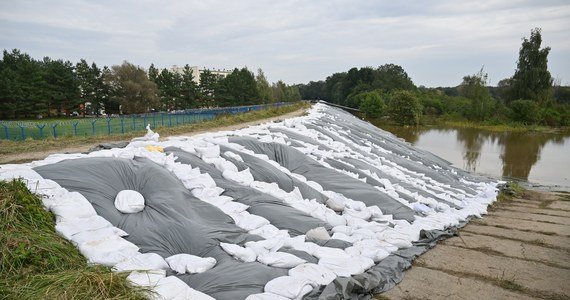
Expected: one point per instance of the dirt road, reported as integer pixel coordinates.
(38, 155)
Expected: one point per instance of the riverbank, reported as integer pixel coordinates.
(519, 250)
(25, 151)
(429, 122)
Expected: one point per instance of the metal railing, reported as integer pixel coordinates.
(89, 126)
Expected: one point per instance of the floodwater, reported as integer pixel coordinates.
(539, 158)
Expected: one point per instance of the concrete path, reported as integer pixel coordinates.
(520, 250)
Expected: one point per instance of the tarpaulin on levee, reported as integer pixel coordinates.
(323, 206)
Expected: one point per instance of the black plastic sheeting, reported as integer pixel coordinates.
(174, 221)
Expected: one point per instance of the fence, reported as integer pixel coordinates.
(21, 130)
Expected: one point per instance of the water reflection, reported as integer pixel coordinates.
(507, 154)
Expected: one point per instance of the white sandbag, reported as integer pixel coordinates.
(342, 229)
(266, 231)
(232, 207)
(243, 177)
(69, 228)
(360, 214)
(315, 185)
(294, 242)
(71, 211)
(239, 252)
(97, 234)
(199, 182)
(173, 288)
(233, 155)
(329, 252)
(342, 267)
(289, 287)
(108, 252)
(251, 222)
(334, 219)
(208, 152)
(421, 208)
(397, 239)
(268, 245)
(207, 193)
(280, 259)
(187, 263)
(319, 233)
(344, 237)
(308, 247)
(146, 278)
(265, 296)
(375, 211)
(314, 272)
(129, 201)
(218, 200)
(224, 165)
(145, 261)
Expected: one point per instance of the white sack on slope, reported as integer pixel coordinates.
(290, 287)
(145, 262)
(71, 227)
(239, 252)
(129, 201)
(173, 288)
(108, 252)
(182, 263)
(97, 234)
(208, 152)
(265, 296)
(199, 182)
(314, 272)
(244, 177)
(280, 259)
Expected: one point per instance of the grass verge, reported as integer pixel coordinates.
(35, 263)
(510, 191)
(30, 145)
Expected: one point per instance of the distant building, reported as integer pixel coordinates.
(196, 71)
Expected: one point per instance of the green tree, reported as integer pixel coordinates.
(207, 88)
(168, 84)
(265, 93)
(23, 90)
(474, 88)
(188, 88)
(61, 85)
(390, 77)
(371, 104)
(404, 108)
(132, 88)
(279, 91)
(532, 80)
(238, 88)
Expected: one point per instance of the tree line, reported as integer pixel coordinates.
(530, 96)
(48, 87)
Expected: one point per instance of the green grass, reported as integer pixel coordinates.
(35, 263)
(511, 191)
(31, 145)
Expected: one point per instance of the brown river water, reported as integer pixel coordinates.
(536, 158)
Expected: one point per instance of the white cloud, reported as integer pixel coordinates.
(296, 41)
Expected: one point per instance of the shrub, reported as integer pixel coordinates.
(405, 108)
(371, 104)
(525, 111)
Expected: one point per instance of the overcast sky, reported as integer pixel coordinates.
(436, 42)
